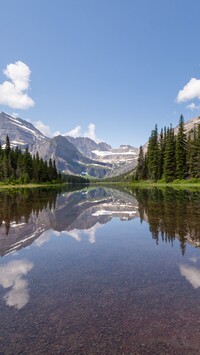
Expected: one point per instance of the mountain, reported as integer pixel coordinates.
(68, 158)
(21, 133)
(79, 155)
(189, 125)
(121, 159)
(86, 145)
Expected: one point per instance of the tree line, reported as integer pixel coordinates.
(171, 214)
(20, 167)
(169, 156)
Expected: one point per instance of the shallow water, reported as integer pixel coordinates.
(100, 271)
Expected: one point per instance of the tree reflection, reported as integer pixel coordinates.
(20, 204)
(171, 214)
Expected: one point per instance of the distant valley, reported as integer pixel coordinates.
(79, 155)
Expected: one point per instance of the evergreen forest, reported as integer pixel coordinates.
(20, 167)
(170, 157)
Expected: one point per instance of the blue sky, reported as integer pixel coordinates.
(118, 64)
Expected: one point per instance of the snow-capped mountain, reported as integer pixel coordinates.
(69, 159)
(123, 159)
(79, 155)
(86, 145)
(21, 133)
(120, 160)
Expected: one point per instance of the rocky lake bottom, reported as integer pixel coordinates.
(100, 271)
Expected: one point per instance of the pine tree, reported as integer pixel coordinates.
(140, 170)
(28, 165)
(169, 158)
(194, 154)
(55, 173)
(7, 148)
(152, 155)
(50, 170)
(181, 151)
(161, 154)
(15, 165)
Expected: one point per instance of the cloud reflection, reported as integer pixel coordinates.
(192, 274)
(12, 276)
(90, 233)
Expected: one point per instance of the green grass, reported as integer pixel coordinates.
(144, 183)
(30, 185)
(162, 183)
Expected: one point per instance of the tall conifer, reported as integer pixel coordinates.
(181, 151)
(169, 158)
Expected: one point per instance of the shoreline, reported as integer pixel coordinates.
(30, 186)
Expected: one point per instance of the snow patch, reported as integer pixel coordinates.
(103, 153)
(110, 213)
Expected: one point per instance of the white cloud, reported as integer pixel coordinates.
(192, 274)
(57, 133)
(46, 237)
(13, 92)
(190, 91)
(11, 276)
(90, 132)
(193, 259)
(45, 129)
(90, 233)
(193, 106)
(74, 233)
(75, 132)
(15, 115)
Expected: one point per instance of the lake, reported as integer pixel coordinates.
(100, 271)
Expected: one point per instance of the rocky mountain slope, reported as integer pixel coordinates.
(79, 155)
(21, 133)
(73, 155)
(86, 145)
(120, 160)
(68, 158)
(189, 125)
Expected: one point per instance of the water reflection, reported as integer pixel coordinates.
(171, 214)
(12, 275)
(34, 215)
(87, 283)
(192, 274)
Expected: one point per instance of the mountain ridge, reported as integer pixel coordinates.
(80, 155)
(21, 133)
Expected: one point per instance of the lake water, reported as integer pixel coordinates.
(100, 271)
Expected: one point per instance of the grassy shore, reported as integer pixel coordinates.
(29, 186)
(144, 183)
(162, 183)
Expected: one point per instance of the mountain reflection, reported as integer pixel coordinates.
(32, 215)
(29, 216)
(171, 214)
